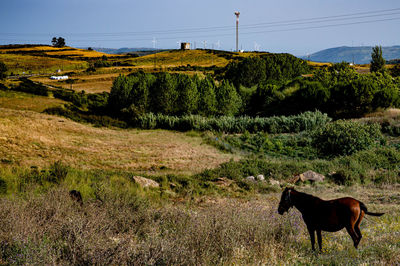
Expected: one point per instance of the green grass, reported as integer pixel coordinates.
(26, 101)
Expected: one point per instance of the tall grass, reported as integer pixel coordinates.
(125, 229)
(275, 124)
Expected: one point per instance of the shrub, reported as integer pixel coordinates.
(3, 70)
(29, 86)
(345, 137)
(229, 124)
(3, 186)
(58, 172)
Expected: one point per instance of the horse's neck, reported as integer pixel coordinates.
(304, 202)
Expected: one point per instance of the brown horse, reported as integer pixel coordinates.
(326, 215)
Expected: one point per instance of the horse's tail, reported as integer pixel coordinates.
(364, 208)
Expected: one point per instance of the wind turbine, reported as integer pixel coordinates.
(154, 41)
(218, 43)
(205, 44)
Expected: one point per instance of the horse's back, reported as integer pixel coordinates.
(334, 214)
(347, 201)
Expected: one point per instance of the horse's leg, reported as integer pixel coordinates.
(353, 234)
(319, 237)
(357, 227)
(312, 237)
(354, 217)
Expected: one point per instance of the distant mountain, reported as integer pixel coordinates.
(123, 50)
(360, 55)
(126, 50)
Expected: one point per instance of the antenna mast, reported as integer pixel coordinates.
(237, 13)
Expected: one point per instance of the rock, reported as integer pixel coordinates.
(260, 178)
(274, 182)
(251, 178)
(309, 176)
(145, 182)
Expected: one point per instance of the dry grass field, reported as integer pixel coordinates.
(175, 58)
(54, 51)
(47, 59)
(90, 83)
(179, 58)
(29, 138)
(78, 53)
(28, 64)
(51, 229)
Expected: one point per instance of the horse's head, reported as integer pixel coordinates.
(286, 201)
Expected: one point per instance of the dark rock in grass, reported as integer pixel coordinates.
(76, 196)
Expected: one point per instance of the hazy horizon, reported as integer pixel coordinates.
(287, 26)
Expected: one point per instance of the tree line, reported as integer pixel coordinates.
(172, 94)
(258, 86)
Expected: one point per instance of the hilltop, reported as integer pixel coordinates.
(94, 71)
(360, 55)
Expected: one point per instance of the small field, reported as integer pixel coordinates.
(25, 101)
(90, 83)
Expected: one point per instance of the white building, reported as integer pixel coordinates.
(59, 77)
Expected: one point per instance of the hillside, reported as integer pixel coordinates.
(360, 55)
(29, 138)
(36, 59)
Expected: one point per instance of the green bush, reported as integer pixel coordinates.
(58, 172)
(79, 116)
(29, 86)
(3, 186)
(3, 70)
(345, 137)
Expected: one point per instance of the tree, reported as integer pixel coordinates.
(207, 101)
(58, 42)
(377, 62)
(188, 96)
(163, 94)
(229, 101)
(248, 72)
(119, 94)
(54, 41)
(3, 70)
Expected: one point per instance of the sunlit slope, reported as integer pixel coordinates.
(33, 139)
(175, 58)
(30, 59)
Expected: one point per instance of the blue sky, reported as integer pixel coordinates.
(294, 26)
